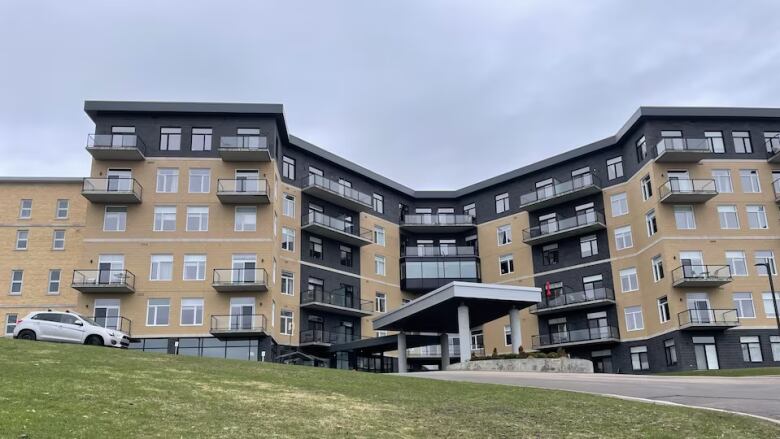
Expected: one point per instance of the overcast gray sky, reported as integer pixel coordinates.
(434, 94)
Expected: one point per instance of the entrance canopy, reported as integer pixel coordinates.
(437, 311)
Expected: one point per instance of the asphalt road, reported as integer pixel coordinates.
(753, 395)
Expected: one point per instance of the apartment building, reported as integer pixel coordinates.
(208, 229)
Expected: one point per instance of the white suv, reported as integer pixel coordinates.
(66, 327)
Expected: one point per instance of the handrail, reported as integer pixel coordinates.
(576, 183)
(564, 224)
(708, 316)
(112, 184)
(439, 251)
(238, 323)
(682, 144)
(334, 223)
(99, 278)
(115, 141)
(242, 185)
(337, 297)
(245, 142)
(437, 219)
(238, 276)
(326, 336)
(575, 336)
(687, 186)
(576, 297)
(701, 272)
(313, 180)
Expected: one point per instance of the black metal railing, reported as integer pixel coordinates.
(557, 189)
(115, 141)
(338, 297)
(685, 273)
(576, 298)
(682, 144)
(326, 337)
(242, 185)
(103, 278)
(337, 224)
(575, 336)
(250, 143)
(238, 323)
(111, 185)
(335, 187)
(687, 186)
(117, 323)
(438, 219)
(714, 317)
(439, 251)
(563, 224)
(239, 276)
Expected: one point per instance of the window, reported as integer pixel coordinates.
(765, 257)
(167, 180)
(379, 235)
(55, 276)
(647, 187)
(743, 302)
(589, 246)
(276, 223)
(17, 279)
(550, 254)
(684, 218)
(10, 323)
(715, 141)
(628, 280)
(722, 179)
(502, 203)
(772, 142)
(246, 219)
(288, 239)
(194, 267)
(728, 217)
(769, 306)
(200, 181)
(197, 219)
(639, 359)
(751, 349)
(504, 234)
(742, 142)
(379, 265)
(345, 255)
(58, 240)
(623, 238)
(507, 335)
(634, 320)
(380, 303)
(288, 168)
(288, 206)
(619, 204)
(756, 217)
(670, 352)
(115, 219)
(286, 322)
(737, 262)
(774, 341)
(663, 309)
(315, 247)
(378, 203)
(315, 171)
(750, 182)
(658, 268)
(161, 268)
(62, 209)
(651, 223)
(470, 210)
(22, 239)
(25, 209)
(170, 139)
(615, 168)
(164, 218)
(288, 283)
(157, 311)
(641, 149)
(191, 312)
(201, 139)
(506, 264)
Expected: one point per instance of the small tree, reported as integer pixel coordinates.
(495, 353)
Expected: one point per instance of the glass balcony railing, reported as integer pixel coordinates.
(326, 337)
(576, 298)
(317, 218)
(337, 188)
(238, 323)
(682, 144)
(708, 317)
(339, 297)
(242, 185)
(701, 274)
(579, 336)
(243, 143)
(115, 141)
(439, 251)
(438, 219)
(103, 279)
(557, 189)
(563, 225)
(111, 185)
(239, 276)
(687, 186)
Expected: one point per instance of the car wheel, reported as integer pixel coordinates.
(27, 335)
(94, 340)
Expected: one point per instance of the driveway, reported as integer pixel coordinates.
(753, 395)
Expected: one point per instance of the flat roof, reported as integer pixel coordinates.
(437, 311)
(41, 180)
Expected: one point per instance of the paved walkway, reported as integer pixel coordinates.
(753, 395)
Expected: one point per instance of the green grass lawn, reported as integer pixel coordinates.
(68, 391)
(745, 372)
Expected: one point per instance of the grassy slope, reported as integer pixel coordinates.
(745, 372)
(49, 390)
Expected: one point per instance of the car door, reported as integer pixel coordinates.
(71, 329)
(47, 326)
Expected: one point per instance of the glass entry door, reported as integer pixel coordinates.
(706, 356)
(242, 312)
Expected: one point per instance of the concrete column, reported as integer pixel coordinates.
(444, 342)
(402, 366)
(464, 333)
(514, 326)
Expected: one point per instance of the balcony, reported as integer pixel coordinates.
(244, 149)
(776, 188)
(575, 300)
(238, 325)
(427, 275)
(774, 145)
(125, 147)
(681, 150)
(103, 281)
(337, 302)
(337, 229)
(243, 191)
(437, 223)
(560, 192)
(581, 224)
(230, 280)
(704, 319)
(112, 190)
(336, 193)
(592, 336)
(117, 323)
(321, 337)
(700, 276)
(438, 252)
(676, 191)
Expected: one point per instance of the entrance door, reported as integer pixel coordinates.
(247, 181)
(317, 328)
(111, 269)
(699, 308)
(679, 181)
(599, 328)
(119, 180)
(242, 310)
(244, 268)
(706, 356)
(107, 313)
(602, 365)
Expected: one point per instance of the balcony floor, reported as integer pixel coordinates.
(677, 156)
(700, 283)
(228, 287)
(243, 197)
(237, 333)
(688, 197)
(435, 228)
(578, 343)
(561, 234)
(104, 288)
(102, 197)
(572, 307)
(562, 198)
(335, 234)
(335, 309)
(701, 326)
(120, 154)
(244, 155)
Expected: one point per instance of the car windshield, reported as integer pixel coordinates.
(89, 320)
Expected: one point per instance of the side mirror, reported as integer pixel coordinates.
(78, 323)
